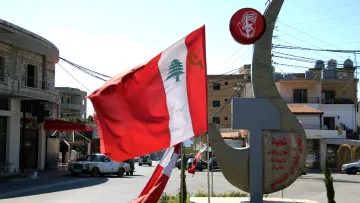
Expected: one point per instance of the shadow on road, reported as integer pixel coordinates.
(38, 187)
(322, 179)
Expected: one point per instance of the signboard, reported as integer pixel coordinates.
(247, 25)
(310, 158)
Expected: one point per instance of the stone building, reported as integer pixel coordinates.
(72, 102)
(27, 89)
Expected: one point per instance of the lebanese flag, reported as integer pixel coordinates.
(157, 183)
(197, 156)
(156, 105)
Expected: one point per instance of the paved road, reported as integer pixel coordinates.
(118, 190)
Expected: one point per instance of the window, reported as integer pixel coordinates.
(31, 76)
(216, 103)
(68, 100)
(329, 97)
(300, 95)
(216, 120)
(62, 99)
(226, 118)
(2, 69)
(226, 83)
(216, 86)
(4, 104)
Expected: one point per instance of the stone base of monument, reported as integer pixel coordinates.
(246, 200)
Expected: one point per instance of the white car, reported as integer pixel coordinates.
(145, 160)
(351, 168)
(98, 165)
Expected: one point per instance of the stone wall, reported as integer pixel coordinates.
(23, 59)
(5, 51)
(50, 76)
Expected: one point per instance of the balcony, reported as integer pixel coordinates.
(76, 107)
(16, 86)
(335, 100)
(291, 100)
(324, 134)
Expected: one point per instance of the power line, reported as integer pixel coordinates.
(73, 77)
(279, 46)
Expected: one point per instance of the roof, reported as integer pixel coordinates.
(226, 77)
(230, 135)
(303, 109)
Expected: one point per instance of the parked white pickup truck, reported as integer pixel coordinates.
(351, 168)
(98, 165)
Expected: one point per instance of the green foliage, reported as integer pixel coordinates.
(330, 192)
(165, 198)
(79, 120)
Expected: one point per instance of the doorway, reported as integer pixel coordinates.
(3, 131)
(30, 156)
(329, 123)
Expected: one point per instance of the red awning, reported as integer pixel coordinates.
(61, 125)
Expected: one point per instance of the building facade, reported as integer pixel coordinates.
(27, 96)
(332, 91)
(72, 102)
(220, 91)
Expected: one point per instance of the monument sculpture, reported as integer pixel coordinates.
(277, 151)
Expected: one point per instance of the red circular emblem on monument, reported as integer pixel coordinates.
(247, 25)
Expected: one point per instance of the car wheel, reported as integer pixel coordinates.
(127, 173)
(74, 174)
(121, 172)
(102, 175)
(95, 172)
(348, 171)
(132, 173)
(150, 164)
(354, 171)
(140, 164)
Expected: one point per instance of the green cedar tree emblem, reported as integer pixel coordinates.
(175, 70)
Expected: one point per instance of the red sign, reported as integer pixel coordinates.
(247, 25)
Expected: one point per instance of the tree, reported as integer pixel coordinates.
(330, 192)
(175, 70)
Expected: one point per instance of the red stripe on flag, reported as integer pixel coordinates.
(131, 110)
(197, 80)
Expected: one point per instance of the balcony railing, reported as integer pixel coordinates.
(16, 84)
(314, 100)
(335, 100)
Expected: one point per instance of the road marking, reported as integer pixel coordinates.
(43, 187)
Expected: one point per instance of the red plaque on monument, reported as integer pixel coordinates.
(247, 25)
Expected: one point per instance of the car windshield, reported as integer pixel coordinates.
(95, 158)
(190, 160)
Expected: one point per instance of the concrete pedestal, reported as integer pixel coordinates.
(246, 200)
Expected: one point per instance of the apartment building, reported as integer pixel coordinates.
(72, 102)
(27, 96)
(220, 91)
(324, 101)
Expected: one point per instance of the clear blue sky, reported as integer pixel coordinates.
(108, 37)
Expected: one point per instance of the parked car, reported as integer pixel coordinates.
(178, 162)
(351, 168)
(213, 164)
(200, 165)
(98, 165)
(145, 160)
(131, 162)
(136, 159)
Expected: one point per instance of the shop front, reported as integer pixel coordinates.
(3, 132)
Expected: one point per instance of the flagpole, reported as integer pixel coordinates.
(208, 166)
(182, 173)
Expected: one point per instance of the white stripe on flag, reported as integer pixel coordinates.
(166, 157)
(170, 166)
(180, 124)
(203, 148)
